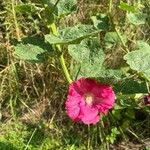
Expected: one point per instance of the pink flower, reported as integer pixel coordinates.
(87, 98)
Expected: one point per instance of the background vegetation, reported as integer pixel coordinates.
(32, 114)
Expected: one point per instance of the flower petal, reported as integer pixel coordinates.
(89, 115)
(72, 101)
(75, 88)
(105, 97)
(87, 85)
(73, 112)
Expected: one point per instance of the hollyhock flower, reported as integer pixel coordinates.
(87, 99)
(147, 99)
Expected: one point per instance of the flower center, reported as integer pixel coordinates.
(89, 98)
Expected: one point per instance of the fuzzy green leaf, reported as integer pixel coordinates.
(66, 6)
(101, 22)
(32, 49)
(112, 38)
(137, 18)
(146, 73)
(141, 45)
(91, 58)
(71, 35)
(111, 73)
(139, 60)
(90, 55)
(63, 7)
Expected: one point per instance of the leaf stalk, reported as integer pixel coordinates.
(61, 57)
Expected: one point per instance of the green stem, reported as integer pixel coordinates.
(88, 144)
(121, 39)
(101, 133)
(110, 6)
(61, 57)
(147, 85)
(56, 3)
(30, 138)
(53, 28)
(15, 20)
(64, 68)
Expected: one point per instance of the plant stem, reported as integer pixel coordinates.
(64, 68)
(15, 20)
(56, 3)
(101, 133)
(53, 28)
(104, 142)
(147, 85)
(30, 138)
(88, 144)
(121, 39)
(110, 6)
(61, 57)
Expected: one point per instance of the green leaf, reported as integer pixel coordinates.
(112, 137)
(127, 7)
(90, 55)
(125, 125)
(146, 73)
(66, 6)
(137, 18)
(71, 35)
(101, 22)
(141, 45)
(126, 101)
(91, 58)
(130, 113)
(79, 52)
(111, 73)
(63, 7)
(112, 38)
(32, 49)
(26, 8)
(139, 60)
(117, 112)
(130, 86)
